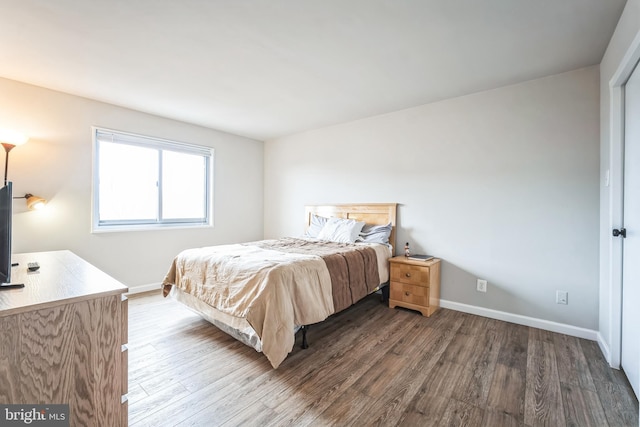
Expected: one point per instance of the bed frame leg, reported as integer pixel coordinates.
(305, 344)
(385, 294)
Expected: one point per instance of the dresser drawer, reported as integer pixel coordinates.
(413, 294)
(124, 373)
(411, 274)
(124, 324)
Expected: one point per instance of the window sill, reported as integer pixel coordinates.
(148, 227)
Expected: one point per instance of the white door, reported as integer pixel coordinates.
(630, 356)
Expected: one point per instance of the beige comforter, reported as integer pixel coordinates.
(274, 285)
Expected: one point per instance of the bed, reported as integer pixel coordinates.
(262, 292)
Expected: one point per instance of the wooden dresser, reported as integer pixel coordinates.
(415, 284)
(62, 339)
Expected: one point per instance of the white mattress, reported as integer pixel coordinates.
(237, 327)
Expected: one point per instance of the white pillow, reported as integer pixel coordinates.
(317, 222)
(341, 230)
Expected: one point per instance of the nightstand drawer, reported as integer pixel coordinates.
(412, 294)
(411, 274)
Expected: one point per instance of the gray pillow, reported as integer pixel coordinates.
(375, 234)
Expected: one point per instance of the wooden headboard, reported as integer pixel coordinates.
(371, 213)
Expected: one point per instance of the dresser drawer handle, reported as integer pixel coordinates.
(408, 274)
(407, 294)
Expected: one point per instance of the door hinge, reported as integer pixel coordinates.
(620, 232)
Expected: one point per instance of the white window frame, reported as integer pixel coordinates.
(97, 226)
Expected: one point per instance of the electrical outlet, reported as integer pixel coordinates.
(562, 297)
(481, 285)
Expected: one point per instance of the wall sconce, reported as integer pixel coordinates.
(10, 139)
(34, 203)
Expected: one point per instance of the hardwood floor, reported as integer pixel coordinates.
(370, 365)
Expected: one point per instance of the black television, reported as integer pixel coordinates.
(6, 201)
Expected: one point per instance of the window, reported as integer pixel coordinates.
(141, 182)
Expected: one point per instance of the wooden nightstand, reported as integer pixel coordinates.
(415, 284)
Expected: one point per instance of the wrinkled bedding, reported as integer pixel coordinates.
(277, 284)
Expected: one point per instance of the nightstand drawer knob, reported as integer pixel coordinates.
(408, 274)
(407, 294)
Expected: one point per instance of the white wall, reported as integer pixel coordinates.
(56, 164)
(628, 28)
(502, 185)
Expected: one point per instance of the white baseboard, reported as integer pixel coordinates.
(144, 288)
(547, 325)
(604, 348)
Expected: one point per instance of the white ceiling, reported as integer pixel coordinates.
(269, 68)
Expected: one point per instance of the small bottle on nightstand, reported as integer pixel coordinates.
(407, 252)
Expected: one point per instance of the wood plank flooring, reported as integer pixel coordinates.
(370, 365)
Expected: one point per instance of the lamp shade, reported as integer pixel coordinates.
(12, 138)
(34, 202)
